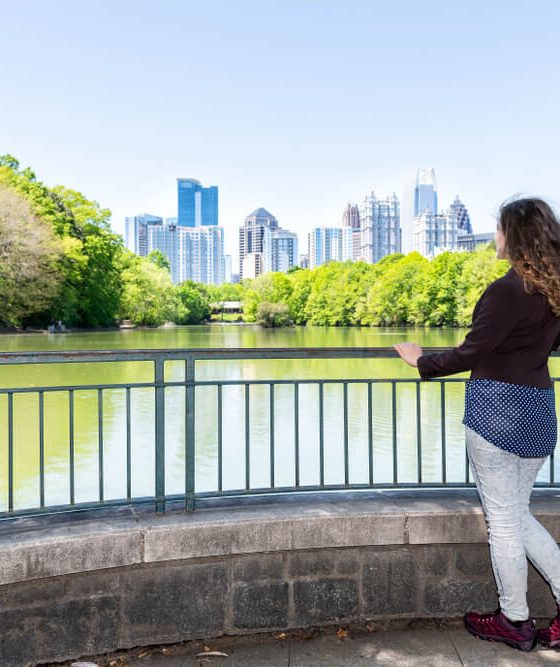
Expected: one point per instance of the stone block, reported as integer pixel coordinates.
(312, 564)
(454, 598)
(447, 527)
(539, 596)
(263, 606)
(435, 560)
(326, 601)
(473, 559)
(264, 567)
(174, 602)
(390, 582)
(54, 632)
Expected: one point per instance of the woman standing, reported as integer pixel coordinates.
(510, 415)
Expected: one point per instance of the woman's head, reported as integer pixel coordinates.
(528, 235)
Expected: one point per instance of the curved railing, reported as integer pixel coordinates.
(175, 370)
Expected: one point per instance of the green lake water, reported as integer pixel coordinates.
(86, 425)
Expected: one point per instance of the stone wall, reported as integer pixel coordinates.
(90, 583)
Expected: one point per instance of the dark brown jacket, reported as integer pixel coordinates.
(511, 338)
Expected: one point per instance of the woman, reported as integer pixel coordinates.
(510, 416)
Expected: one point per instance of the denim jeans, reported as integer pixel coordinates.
(504, 482)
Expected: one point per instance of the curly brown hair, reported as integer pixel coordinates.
(532, 238)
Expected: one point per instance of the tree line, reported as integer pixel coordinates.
(60, 260)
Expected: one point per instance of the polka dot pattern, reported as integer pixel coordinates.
(517, 418)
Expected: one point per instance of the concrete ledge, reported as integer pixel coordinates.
(91, 582)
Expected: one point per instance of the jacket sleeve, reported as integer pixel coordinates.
(494, 317)
(556, 343)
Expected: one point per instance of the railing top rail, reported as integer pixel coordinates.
(202, 354)
(205, 354)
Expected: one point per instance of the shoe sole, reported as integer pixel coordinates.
(522, 646)
(552, 645)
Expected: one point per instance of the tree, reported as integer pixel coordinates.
(271, 287)
(195, 301)
(273, 314)
(159, 259)
(148, 294)
(29, 252)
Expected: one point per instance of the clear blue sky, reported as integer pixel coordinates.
(295, 105)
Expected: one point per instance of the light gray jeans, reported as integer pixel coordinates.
(504, 482)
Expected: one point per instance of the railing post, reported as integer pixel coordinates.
(160, 434)
(189, 434)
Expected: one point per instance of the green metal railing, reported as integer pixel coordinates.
(189, 383)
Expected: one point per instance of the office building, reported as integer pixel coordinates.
(351, 218)
(264, 246)
(328, 244)
(434, 234)
(461, 214)
(469, 242)
(380, 227)
(194, 253)
(197, 206)
(136, 232)
(425, 193)
(284, 250)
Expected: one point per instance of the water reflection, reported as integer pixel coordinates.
(103, 442)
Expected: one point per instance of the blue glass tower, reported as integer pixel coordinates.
(425, 194)
(197, 206)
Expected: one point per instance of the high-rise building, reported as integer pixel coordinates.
(461, 214)
(227, 269)
(304, 261)
(351, 218)
(197, 206)
(136, 232)
(194, 253)
(264, 246)
(328, 244)
(381, 229)
(284, 250)
(425, 193)
(434, 234)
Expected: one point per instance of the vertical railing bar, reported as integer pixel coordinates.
(128, 447)
(159, 462)
(71, 444)
(370, 431)
(419, 431)
(296, 431)
(100, 445)
(220, 441)
(321, 435)
(394, 424)
(443, 434)
(551, 476)
(247, 440)
(41, 450)
(272, 443)
(10, 452)
(345, 413)
(190, 444)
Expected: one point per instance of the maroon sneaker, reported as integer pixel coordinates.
(497, 628)
(550, 637)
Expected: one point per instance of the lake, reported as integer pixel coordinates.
(57, 431)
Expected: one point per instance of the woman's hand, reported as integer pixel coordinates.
(409, 352)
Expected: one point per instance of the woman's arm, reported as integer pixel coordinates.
(494, 318)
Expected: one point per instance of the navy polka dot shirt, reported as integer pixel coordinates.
(517, 418)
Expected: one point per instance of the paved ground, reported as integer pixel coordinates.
(421, 644)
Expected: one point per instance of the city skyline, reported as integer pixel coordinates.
(266, 101)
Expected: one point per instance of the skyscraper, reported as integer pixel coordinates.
(434, 234)
(194, 253)
(328, 244)
(425, 193)
(197, 206)
(255, 243)
(351, 218)
(461, 214)
(381, 230)
(136, 232)
(284, 250)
